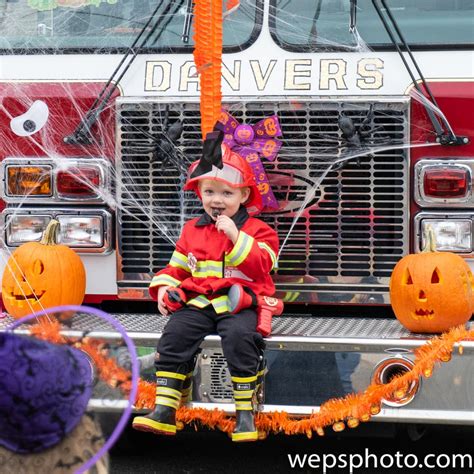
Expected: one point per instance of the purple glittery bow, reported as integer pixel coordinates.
(253, 142)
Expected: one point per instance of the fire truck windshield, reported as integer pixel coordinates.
(426, 24)
(31, 25)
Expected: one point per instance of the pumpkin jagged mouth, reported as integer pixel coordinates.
(30, 298)
(423, 314)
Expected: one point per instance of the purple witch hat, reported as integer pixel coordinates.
(44, 391)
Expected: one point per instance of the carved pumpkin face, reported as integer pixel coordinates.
(432, 292)
(39, 276)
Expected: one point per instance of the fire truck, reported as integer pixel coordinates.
(99, 121)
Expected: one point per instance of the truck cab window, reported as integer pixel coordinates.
(31, 25)
(309, 25)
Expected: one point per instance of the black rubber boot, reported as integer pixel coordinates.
(244, 389)
(162, 420)
(187, 390)
(261, 372)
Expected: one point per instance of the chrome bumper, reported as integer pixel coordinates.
(311, 359)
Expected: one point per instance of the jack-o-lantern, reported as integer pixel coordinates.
(41, 275)
(431, 292)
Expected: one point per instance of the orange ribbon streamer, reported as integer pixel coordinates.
(337, 412)
(208, 59)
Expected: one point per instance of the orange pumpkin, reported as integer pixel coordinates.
(431, 292)
(41, 275)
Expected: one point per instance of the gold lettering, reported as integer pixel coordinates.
(232, 78)
(261, 79)
(332, 70)
(294, 69)
(157, 76)
(188, 75)
(369, 70)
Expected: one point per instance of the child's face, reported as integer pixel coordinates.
(219, 198)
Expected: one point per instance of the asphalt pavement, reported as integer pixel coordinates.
(374, 447)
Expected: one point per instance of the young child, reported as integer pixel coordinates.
(223, 247)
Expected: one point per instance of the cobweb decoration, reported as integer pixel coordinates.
(333, 149)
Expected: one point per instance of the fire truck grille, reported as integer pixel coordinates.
(352, 228)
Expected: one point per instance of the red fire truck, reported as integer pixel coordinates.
(99, 120)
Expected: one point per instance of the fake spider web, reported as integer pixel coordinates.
(320, 161)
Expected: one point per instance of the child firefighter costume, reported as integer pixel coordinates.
(214, 283)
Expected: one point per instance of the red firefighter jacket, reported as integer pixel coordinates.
(206, 262)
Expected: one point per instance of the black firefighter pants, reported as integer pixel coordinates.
(187, 327)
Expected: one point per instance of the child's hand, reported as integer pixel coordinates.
(161, 306)
(227, 225)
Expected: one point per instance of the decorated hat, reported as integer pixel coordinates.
(44, 392)
(220, 163)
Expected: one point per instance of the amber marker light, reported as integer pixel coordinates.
(29, 181)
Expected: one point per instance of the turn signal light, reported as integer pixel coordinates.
(29, 180)
(446, 183)
(79, 181)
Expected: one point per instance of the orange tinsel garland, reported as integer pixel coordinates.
(208, 59)
(338, 412)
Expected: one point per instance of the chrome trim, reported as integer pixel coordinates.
(289, 332)
(342, 250)
(106, 217)
(426, 201)
(311, 293)
(107, 405)
(451, 216)
(57, 165)
(381, 377)
(131, 293)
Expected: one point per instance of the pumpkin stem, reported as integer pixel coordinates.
(50, 235)
(430, 240)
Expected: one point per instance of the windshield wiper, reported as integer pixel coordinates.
(188, 18)
(353, 16)
(82, 135)
(444, 136)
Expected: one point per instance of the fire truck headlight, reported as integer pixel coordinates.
(25, 228)
(81, 231)
(451, 235)
(84, 230)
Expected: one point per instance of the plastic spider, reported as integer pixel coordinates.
(356, 137)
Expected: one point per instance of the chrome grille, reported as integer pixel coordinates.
(354, 228)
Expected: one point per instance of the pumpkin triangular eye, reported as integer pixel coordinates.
(407, 280)
(436, 276)
(38, 267)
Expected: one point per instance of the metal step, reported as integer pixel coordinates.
(290, 332)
